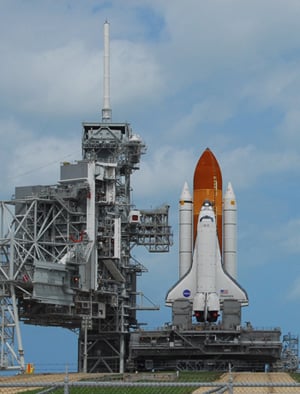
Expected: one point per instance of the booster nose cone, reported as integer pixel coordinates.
(185, 194)
(229, 194)
(208, 186)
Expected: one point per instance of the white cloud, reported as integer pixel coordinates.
(290, 126)
(274, 83)
(68, 80)
(62, 81)
(211, 110)
(38, 160)
(29, 159)
(135, 73)
(241, 51)
(164, 173)
(288, 240)
(55, 81)
(247, 165)
(244, 52)
(294, 290)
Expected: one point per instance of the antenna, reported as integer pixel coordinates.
(106, 110)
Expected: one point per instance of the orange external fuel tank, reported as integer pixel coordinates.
(208, 186)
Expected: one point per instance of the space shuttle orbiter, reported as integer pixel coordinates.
(207, 273)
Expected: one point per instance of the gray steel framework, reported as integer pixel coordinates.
(66, 250)
(290, 352)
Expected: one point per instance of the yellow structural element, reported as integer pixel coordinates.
(29, 368)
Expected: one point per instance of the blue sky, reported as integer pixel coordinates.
(223, 74)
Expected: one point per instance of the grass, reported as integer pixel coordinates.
(124, 390)
(185, 376)
(295, 376)
(203, 376)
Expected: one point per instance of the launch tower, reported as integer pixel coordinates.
(66, 248)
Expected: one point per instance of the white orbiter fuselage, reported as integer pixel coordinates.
(206, 284)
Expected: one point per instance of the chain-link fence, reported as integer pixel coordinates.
(170, 383)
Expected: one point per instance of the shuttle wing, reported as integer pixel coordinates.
(185, 288)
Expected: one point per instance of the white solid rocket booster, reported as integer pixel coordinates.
(230, 232)
(185, 231)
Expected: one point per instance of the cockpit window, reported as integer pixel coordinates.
(206, 217)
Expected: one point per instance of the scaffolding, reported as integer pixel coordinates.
(66, 251)
(290, 352)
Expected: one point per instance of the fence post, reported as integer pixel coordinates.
(230, 380)
(66, 382)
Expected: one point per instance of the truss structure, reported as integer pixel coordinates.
(66, 251)
(290, 352)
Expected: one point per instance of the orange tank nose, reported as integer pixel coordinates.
(208, 186)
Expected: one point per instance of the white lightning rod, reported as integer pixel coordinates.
(106, 110)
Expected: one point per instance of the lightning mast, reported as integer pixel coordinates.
(106, 110)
